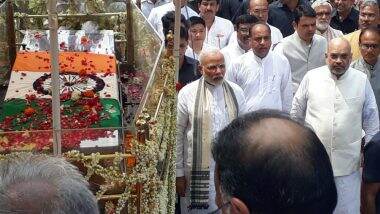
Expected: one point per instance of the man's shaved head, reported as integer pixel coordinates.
(338, 56)
(274, 165)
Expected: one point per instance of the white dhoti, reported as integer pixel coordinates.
(348, 188)
(185, 201)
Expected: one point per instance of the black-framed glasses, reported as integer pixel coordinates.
(219, 210)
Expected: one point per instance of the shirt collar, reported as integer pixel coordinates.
(297, 37)
(351, 15)
(371, 68)
(261, 60)
(341, 77)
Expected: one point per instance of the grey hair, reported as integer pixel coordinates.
(318, 3)
(41, 184)
(207, 51)
(368, 3)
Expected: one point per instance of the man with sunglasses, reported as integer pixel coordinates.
(205, 106)
(338, 103)
(264, 75)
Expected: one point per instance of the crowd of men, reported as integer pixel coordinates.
(315, 65)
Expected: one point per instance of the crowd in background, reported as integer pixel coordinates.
(316, 61)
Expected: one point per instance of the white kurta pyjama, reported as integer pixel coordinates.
(338, 110)
(219, 33)
(158, 12)
(185, 111)
(266, 82)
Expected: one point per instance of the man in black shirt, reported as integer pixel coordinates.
(188, 71)
(371, 176)
(346, 17)
(282, 13)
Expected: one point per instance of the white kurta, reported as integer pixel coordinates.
(158, 12)
(338, 110)
(302, 57)
(276, 35)
(231, 52)
(267, 82)
(219, 33)
(148, 5)
(185, 113)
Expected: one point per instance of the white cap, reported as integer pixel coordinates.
(318, 3)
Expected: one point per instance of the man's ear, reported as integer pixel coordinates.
(294, 25)
(238, 206)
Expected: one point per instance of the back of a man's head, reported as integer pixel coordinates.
(35, 184)
(273, 164)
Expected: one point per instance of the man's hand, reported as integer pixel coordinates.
(180, 184)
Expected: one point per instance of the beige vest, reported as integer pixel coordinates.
(334, 110)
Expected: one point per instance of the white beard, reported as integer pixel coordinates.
(322, 26)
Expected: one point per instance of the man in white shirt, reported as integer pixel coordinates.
(323, 10)
(218, 30)
(148, 5)
(304, 49)
(233, 50)
(264, 75)
(197, 35)
(338, 103)
(205, 106)
(158, 12)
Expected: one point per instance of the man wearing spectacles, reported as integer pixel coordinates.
(263, 75)
(323, 9)
(205, 106)
(369, 63)
(338, 103)
(369, 16)
(236, 49)
(268, 163)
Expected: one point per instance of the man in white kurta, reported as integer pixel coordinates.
(212, 63)
(264, 75)
(234, 50)
(218, 30)
(338, 103)
(158, 12)
(304, 49)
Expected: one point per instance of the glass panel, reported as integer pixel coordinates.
(148, 47)
(31, 140)
(4, 49)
